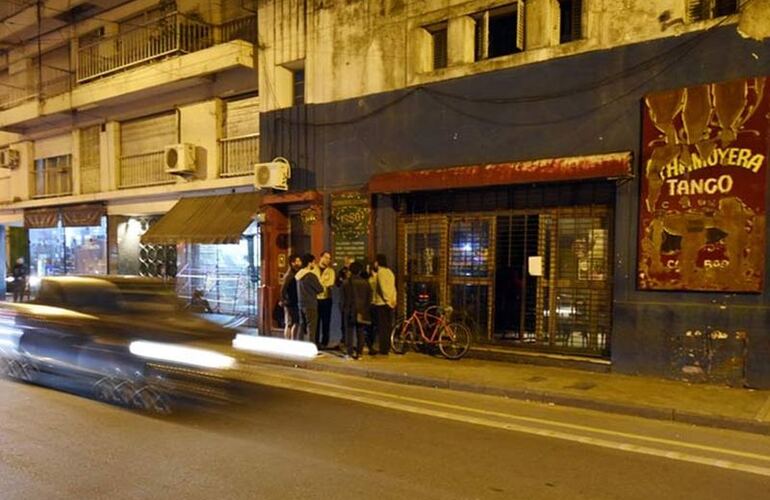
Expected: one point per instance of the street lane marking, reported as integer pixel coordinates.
(531, 430)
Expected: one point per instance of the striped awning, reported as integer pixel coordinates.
(205, 219)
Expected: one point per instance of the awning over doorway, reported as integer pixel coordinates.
(611, 165)
(205, 219)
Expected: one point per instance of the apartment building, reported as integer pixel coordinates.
(120, 118)
(578, 179)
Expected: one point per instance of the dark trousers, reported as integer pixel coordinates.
(308, 324)
(324, 321)
(383, 319)
(355, 337)
(19, 287)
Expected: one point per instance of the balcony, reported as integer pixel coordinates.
(55, 82)
(142, 170)
(173, 35)
(238, 155)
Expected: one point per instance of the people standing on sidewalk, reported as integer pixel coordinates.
(342, 277)
(356, 311)
(19, 280)
(289, 299)
(328, 280)
(383, 285)
(308, 288)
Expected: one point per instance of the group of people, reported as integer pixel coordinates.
(367, 304)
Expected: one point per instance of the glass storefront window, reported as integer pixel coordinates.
(68, 250)
(86, 249)
(226, 274)
(46, 250)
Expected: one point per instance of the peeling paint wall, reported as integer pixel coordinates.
(351, 48)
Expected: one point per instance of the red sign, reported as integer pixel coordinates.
(702, 213)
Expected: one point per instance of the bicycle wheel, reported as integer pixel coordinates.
(401, 337)
(454, 340)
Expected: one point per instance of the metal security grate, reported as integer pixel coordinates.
(538, 278)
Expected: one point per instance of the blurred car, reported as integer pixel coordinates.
(125, 340)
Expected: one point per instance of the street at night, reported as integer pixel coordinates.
(306, 434)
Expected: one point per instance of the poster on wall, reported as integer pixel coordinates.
(702, 201)
(350, 226)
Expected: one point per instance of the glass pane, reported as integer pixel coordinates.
(471, 306)
(583, 249)
(423, 250)
(469, 251)
(86, 249)
(226, 274)
(46, 250)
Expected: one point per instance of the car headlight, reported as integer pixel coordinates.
(191, 356)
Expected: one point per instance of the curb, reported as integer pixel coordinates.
(545, 397)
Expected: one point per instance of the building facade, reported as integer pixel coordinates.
(573, 177)
(113, 111)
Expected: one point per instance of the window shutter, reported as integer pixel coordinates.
(697, 10)
(577, 19)
(147, 135)
(482, 44)
(520, 24)
(242, 117)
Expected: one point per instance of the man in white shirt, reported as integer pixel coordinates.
(328, 279)
(384, 300)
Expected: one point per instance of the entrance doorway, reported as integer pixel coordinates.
(532, 278)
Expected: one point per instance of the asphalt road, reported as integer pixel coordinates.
(314, 435)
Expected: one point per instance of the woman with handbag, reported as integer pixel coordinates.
(356, 312)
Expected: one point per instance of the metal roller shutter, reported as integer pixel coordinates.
(242, 117)
(147, 135)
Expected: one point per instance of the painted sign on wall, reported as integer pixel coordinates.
(702, 213)
(350, 226)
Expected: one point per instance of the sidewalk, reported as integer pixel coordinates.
(716, 406)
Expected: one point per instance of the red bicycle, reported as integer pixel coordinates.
(431, 328)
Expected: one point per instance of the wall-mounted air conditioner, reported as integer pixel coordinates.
(274, 174)
(179, 159)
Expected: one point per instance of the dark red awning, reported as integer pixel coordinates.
(613, 165)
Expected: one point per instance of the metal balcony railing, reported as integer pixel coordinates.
(238, 155)
(59, 81)
(145, 169)
(11, 96)
(174, 34)
(244, 28)
(52, 181)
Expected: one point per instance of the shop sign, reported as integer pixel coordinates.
(350, 217)
(702, 202)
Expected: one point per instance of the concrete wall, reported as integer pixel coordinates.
(360, 47)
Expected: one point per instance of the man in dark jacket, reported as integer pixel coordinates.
(356, 310)
(289, 299)
(308, 288)
(19, 280)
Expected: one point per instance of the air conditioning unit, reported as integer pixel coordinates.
(275, 174)
(179, 159)
(9, 158)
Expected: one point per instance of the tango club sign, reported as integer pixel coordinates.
(702, 213)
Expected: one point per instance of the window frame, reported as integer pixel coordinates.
(481, 37)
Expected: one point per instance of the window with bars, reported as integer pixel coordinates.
(499, 31)
(700, 10)
(570, 20)
(438, 35)
(298, 86)
(52, 176)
